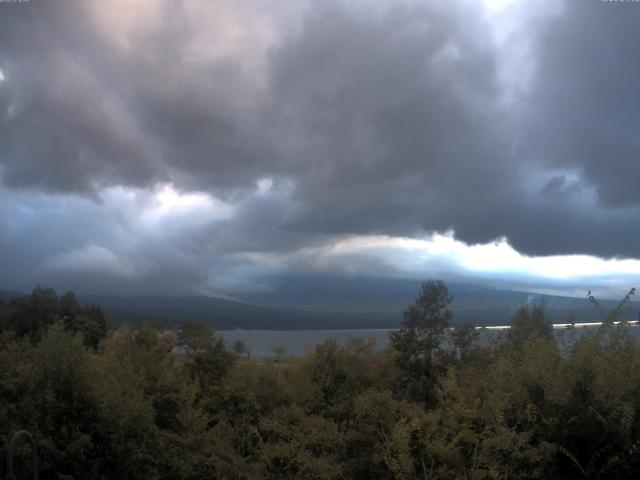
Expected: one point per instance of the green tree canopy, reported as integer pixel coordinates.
(420, 337)
(529, 324)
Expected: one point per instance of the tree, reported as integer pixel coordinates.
(338, 373)
(463, 337)
(420, 337)
(529, 324)
(209, 359)
(91, 322)
(240, 348)
(31, 316)
(279, 351)
(63, 407)
(298, 445)
(620, 313)
(194, 337)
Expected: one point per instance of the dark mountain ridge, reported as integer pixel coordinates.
(478, 305)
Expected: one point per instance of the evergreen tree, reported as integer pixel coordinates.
(419, 338)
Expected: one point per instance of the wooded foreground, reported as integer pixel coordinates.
(105, 404)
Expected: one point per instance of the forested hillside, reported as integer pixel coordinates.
(105, 404)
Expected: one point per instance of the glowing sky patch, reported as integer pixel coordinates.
(167, 202)
(264, 185)
(497, 5)
(400, 257)
(495, 257)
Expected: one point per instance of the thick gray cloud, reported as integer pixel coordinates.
(393, 115)
(581, 116)
(361, 119)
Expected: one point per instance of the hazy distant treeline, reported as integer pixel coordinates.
(123, 405)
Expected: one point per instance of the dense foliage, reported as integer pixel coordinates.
(137, 403)
(31, 316)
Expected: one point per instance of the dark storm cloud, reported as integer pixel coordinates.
(63, 126)
(582, 115)
(586, 108)
(399, 120)
(81, 112)
(393, 116)
(368, 119)
(385, 114)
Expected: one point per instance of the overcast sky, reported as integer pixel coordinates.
(210, 146)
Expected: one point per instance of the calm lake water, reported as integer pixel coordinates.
(299, 342)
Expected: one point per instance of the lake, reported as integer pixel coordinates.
(299, 342)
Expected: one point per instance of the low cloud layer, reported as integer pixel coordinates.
(205, 146)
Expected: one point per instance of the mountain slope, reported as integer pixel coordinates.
(333, 304)
(478, 305)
